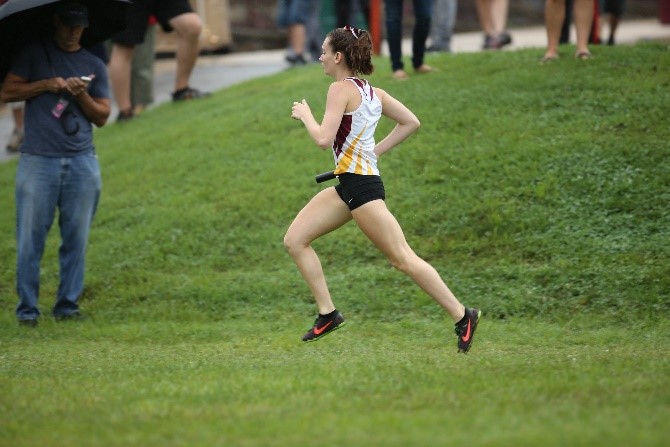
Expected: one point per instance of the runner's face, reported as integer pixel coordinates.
(327, 57)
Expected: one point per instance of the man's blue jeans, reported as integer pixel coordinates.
(43, 184)
(419, 34)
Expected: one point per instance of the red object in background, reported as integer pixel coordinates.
(375, 31)
(664, 11)
(594, 38)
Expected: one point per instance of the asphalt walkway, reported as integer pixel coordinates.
(217, 72)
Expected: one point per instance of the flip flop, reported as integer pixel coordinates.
(583, 55)
(548, 59)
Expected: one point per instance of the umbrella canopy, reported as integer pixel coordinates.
(23, 21)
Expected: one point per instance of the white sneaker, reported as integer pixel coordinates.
(15, 140)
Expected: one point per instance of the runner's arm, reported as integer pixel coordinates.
(336, 102)
(408, 123)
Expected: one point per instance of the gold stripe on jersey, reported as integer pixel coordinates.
(347, 157)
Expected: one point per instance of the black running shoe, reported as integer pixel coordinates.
(125, 116)
(466, 329)
(497, 41)
(296, 60)
(504, 38)
(188, 93)
(324, 325)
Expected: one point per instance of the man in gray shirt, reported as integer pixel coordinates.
(66, 91)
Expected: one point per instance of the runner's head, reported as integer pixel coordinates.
(356, 46)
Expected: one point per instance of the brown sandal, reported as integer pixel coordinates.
(548, 59)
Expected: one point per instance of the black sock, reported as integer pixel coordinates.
(330, 315)
(464, 319)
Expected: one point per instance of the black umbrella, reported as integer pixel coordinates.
(22, 21)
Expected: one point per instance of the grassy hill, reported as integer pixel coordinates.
(540, 193)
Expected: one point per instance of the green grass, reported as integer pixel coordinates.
(540, 193)
(236, 383)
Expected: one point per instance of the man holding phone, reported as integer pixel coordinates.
(66, 91)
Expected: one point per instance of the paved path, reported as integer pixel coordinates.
(216, 72)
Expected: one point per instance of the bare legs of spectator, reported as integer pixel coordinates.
(188, 27)
(297, 36)
(554, 13)
(493, 20)
(119, 75)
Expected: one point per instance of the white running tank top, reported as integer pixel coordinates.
(354, 143)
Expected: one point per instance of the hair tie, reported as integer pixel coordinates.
(356, 32)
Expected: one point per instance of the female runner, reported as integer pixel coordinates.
(353, 109)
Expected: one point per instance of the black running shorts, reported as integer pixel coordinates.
(137, 18)
(356, 190)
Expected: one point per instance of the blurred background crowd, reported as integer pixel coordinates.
(240, 26)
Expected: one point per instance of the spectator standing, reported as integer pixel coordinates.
(173, 15)
(442, 25)
(314, 34)
(554, 15)
(294, 16)
(493, 20)
(394, 13)
(614, 9)
(142, 70)
(58, 168)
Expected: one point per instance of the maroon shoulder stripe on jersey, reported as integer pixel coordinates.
(342, 133)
